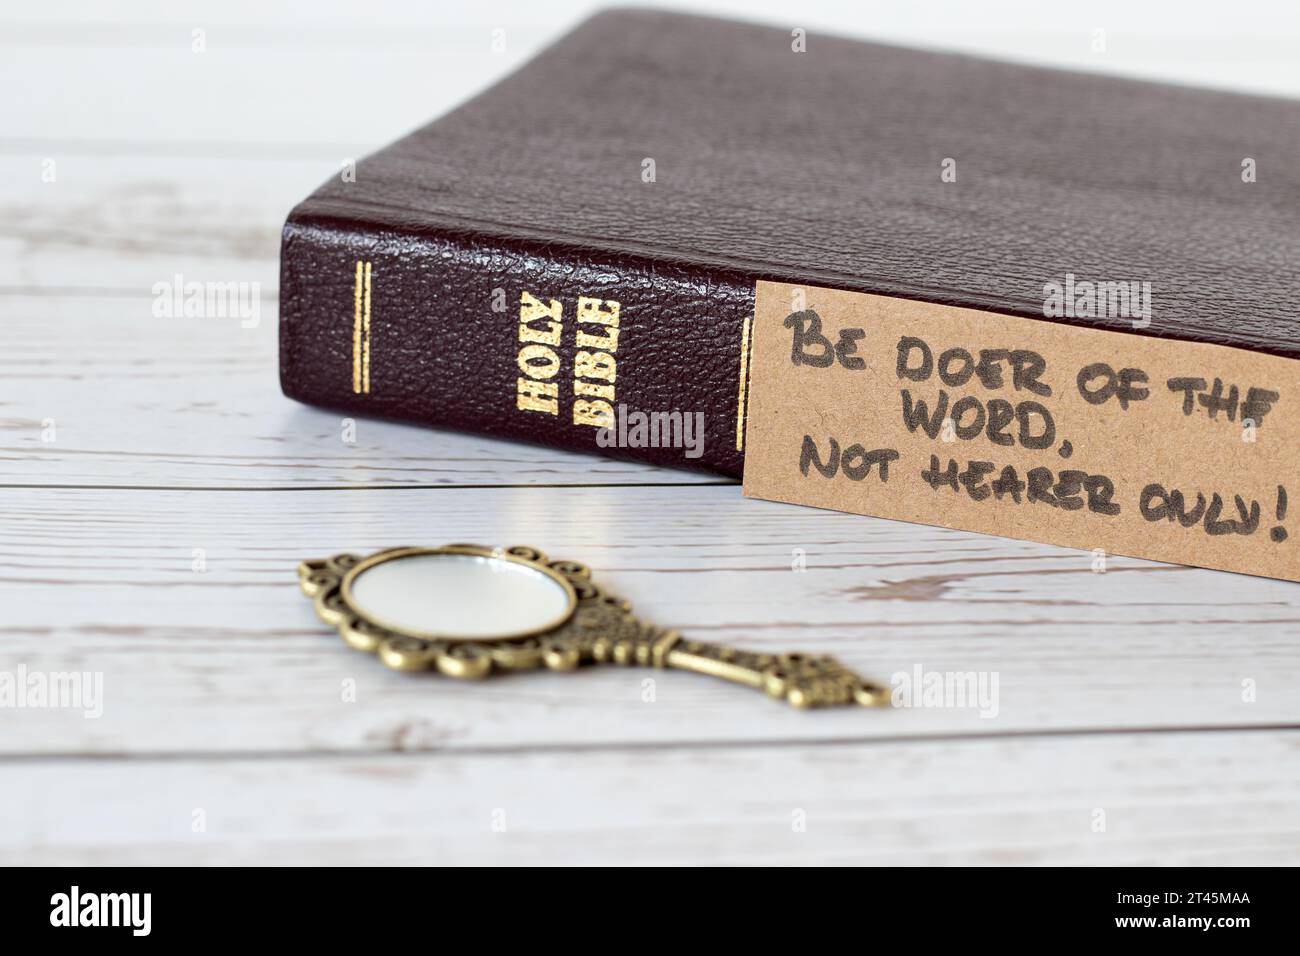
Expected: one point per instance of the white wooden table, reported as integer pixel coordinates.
(1148, 714)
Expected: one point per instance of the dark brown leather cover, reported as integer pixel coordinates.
(817, 167)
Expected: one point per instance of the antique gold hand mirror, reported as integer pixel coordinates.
(468, 611)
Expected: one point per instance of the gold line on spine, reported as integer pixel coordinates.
(356, 333)
(365, 347)
(744, 381)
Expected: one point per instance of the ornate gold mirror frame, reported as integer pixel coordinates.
(590, 626)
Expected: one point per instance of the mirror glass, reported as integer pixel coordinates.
(460, 595)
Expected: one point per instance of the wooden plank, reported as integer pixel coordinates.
(119, 224)
(1163, 799)
(101, 392)
(255, 86)
(232, 658)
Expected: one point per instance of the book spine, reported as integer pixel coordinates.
(615, 354)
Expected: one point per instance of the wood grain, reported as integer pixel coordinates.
(1163, 799)
(101, 392)
(103, 580)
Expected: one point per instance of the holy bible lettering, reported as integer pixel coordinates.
(541, 336)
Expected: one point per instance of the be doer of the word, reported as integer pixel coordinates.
(1022, 419)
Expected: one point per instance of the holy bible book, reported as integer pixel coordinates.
(741, 235)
